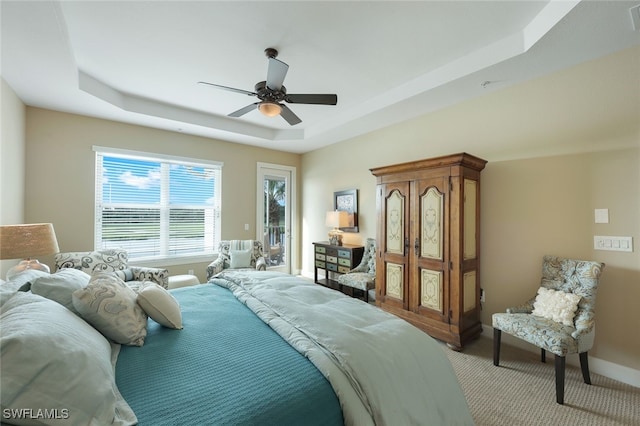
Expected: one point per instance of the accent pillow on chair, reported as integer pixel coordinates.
(240, 259)
(556, 305)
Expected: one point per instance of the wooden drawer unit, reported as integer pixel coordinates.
(335, 260)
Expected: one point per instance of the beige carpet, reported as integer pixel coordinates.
(521, 391)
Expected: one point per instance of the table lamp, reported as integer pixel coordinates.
(336, 219)
(25, 242)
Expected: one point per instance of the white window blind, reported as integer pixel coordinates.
(156, 207)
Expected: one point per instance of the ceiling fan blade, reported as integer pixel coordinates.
(312, 99)
(231, 89)
(288, 115)
(275, 73)
(243, 111)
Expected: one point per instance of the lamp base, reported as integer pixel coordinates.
(335, 237)
(25, 265)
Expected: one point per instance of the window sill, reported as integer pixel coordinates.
(172, 260)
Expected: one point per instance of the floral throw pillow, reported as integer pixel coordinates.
(110, 306)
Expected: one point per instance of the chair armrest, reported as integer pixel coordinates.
(261, 264)
(215, 267)
(157, 275)
(525, 308)
(584, 322)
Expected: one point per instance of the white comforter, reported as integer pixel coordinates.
(383, 370)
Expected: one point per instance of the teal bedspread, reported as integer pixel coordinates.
(226, 367)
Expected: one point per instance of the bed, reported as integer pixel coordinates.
(254, 348)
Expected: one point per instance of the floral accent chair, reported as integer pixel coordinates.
(112, 260)
(548, 322)
(363, 276)
(238, 254)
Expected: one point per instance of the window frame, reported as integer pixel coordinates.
(161, 159)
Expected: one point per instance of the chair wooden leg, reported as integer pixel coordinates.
(497, 334)
(560, 363)
(543, 355)
(584, 366)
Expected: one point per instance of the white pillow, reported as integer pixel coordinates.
(110, 306)
(556, 305)
(240, 258)
(60, 286)
(52, 359)
(160, 305)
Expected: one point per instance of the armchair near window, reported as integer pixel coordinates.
(363, 276)
(238, 254)
(548, 320)
(112, 260)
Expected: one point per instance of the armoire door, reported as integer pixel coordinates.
(393, 261)
(429, 248)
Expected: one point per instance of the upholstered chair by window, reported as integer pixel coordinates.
(112, 260)
(363, 276)
(560, 319)
(238, 254)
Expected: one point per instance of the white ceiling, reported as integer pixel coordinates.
(139, 61)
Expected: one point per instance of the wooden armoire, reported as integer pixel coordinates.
(428, 233)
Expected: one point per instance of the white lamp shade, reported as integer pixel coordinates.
(337, 219)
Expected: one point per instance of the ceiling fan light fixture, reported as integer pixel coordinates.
(270, 109)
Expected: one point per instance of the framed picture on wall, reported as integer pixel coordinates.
(347, 201)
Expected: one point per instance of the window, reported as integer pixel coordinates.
(156, 207)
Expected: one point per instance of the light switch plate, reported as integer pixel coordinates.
(602, 215)
(613, 243)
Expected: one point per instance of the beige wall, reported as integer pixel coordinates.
(546, 206)
(12, 166)
(555, 153)
(60, 178)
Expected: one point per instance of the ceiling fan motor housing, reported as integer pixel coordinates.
(265, 94)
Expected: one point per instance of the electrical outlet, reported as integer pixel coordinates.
(482, 295)
(190, 271)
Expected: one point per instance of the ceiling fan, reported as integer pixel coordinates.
(271, 93)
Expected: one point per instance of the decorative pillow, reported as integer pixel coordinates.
(60, 286)
(125, 274)
(110, 306)
(556, 305)
(240, 258)
(160, 305)
(53, 360)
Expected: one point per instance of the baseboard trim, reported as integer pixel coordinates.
(605, 368)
